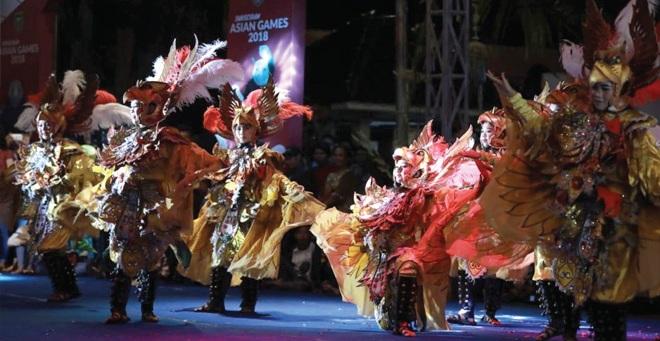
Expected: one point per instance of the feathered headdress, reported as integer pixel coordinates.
(437, 162)
(263, 108)
(67, 107)
(497, 118)
(624, 53)
(183, 76)
(106, 111)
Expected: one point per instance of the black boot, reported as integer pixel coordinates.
(119, 290)
(69, 281)
(406, 314)
(572, 320)
(249, 291)
(220, 281)
(147, 294)
(492, 299)
(465, 301)
(608, 321)
(555, 305)
(56, 264)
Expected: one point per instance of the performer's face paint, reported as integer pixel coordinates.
(398, 172)
(136, 108)
(44, 130)
(601, 95)
(148, 102)
(405, 175)
(245, 133)
(486, 135)
(410, 167)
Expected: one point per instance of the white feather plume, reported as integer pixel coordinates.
(282, 95)
(72, 85)
(622, 24)
(186, 65)
(198, 72)
(210, 75)
(572, 58)
(105, 116)
(208, 51)
(157, 69)
(162, 67)
(25, 121)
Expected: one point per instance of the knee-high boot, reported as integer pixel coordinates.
(61, 275)
(249, 292)
(465, 300)
(119, 291)
(220, 281)
(147, 294)
(556, 305)
(492, 299)
(406, 312)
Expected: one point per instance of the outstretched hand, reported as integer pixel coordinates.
(504, 89)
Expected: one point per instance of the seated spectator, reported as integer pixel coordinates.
(341, 184)
(303, 265)
(320, 169)
(295, 168)
(367, 166)
(23, 263)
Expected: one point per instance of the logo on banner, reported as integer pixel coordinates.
(19, 21)
(268, 42)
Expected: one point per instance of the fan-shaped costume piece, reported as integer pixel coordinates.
(582, 183)
(469, 237)
(251, 204)
(479, 252)
(393, 241)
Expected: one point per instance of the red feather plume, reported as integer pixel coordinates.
(212, 119)
(290, 109)
(104, 97)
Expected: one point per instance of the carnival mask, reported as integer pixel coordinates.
(410, 167)
(148, 102)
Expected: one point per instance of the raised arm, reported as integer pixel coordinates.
(518, 108)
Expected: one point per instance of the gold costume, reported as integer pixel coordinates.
(251, 204)
(54, 176)
(146, 202)
(269, 205)
(139, 202)
(552, 161)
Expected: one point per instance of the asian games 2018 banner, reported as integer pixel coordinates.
(27, 47)
(267, 37)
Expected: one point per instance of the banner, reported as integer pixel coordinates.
(268, 37)
(27, 37)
